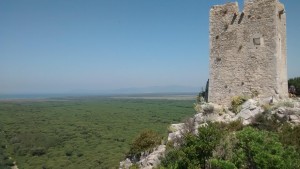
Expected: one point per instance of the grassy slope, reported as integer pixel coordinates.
(82, 133)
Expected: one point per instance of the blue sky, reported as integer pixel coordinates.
(56, 46)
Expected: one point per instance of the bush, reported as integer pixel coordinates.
(134, 166)
(295, 82)
(69, 152)
(220, 146)
(225, 148)
(290, 135)
(197, 107)
(267, 122)
(144, 142)
(9, 162)
(196, 149)
(38, 151)
(221, 164)
(236, 103)
(259, 149)
(235, 125)
(180, 158)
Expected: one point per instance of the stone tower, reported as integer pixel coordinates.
(247, 51)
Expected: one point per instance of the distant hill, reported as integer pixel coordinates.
(140, 90)
(157, 89)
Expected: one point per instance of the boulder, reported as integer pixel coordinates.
(199, 118)
(294, 117)
(153, 159)
(250, 104)
(175, 135)
(249, 110)
(126, 164)
(176, 127)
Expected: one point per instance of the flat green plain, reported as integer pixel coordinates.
(81, 133)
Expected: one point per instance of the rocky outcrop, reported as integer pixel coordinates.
(147, 160)
(249, 110)
(286, 110)
(153, 159)
(289, 113)
(125, 164)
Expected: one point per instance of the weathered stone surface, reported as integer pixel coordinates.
(175, 135)
(248, 51)
(176, 131)
(153, 159)
(294, 117)
(126, 164)
(147, 160)
(250, 104)
(244, 114)
(249, 110)
(281, 110)
(199, 118)
(176, 127)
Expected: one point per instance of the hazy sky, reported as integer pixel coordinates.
(53, 46)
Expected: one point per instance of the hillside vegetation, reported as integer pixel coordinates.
(80, 133)
(232, 146)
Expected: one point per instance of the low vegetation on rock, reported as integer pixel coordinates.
(218, 146)
(146, 141)
(251, 133)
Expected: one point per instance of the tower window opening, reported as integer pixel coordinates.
(256, 41)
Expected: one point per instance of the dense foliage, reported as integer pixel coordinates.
(196, 150)
(236, 103)
(296, 83)
(229, 146)
(80, 132)
(145, 141)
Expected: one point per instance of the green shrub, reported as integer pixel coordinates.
(259, 149)
(225, 149)
(69, 152)
(79, 154)
(197, 107)
(267, 122)
(180, 158)
(284, 104)
(134, 166)
(236, 103)
(196, 149)
(295, 82)
(290, 135)
(9, 162)
(235, 125)
(38, 151)
(221, 164)
(144, 142)
(267, 108)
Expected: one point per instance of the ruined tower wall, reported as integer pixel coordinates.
(246, 55)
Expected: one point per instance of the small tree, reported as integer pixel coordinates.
(258, 149)
(207, 139)
(144, 142)
(296, 83)
(196, 149)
